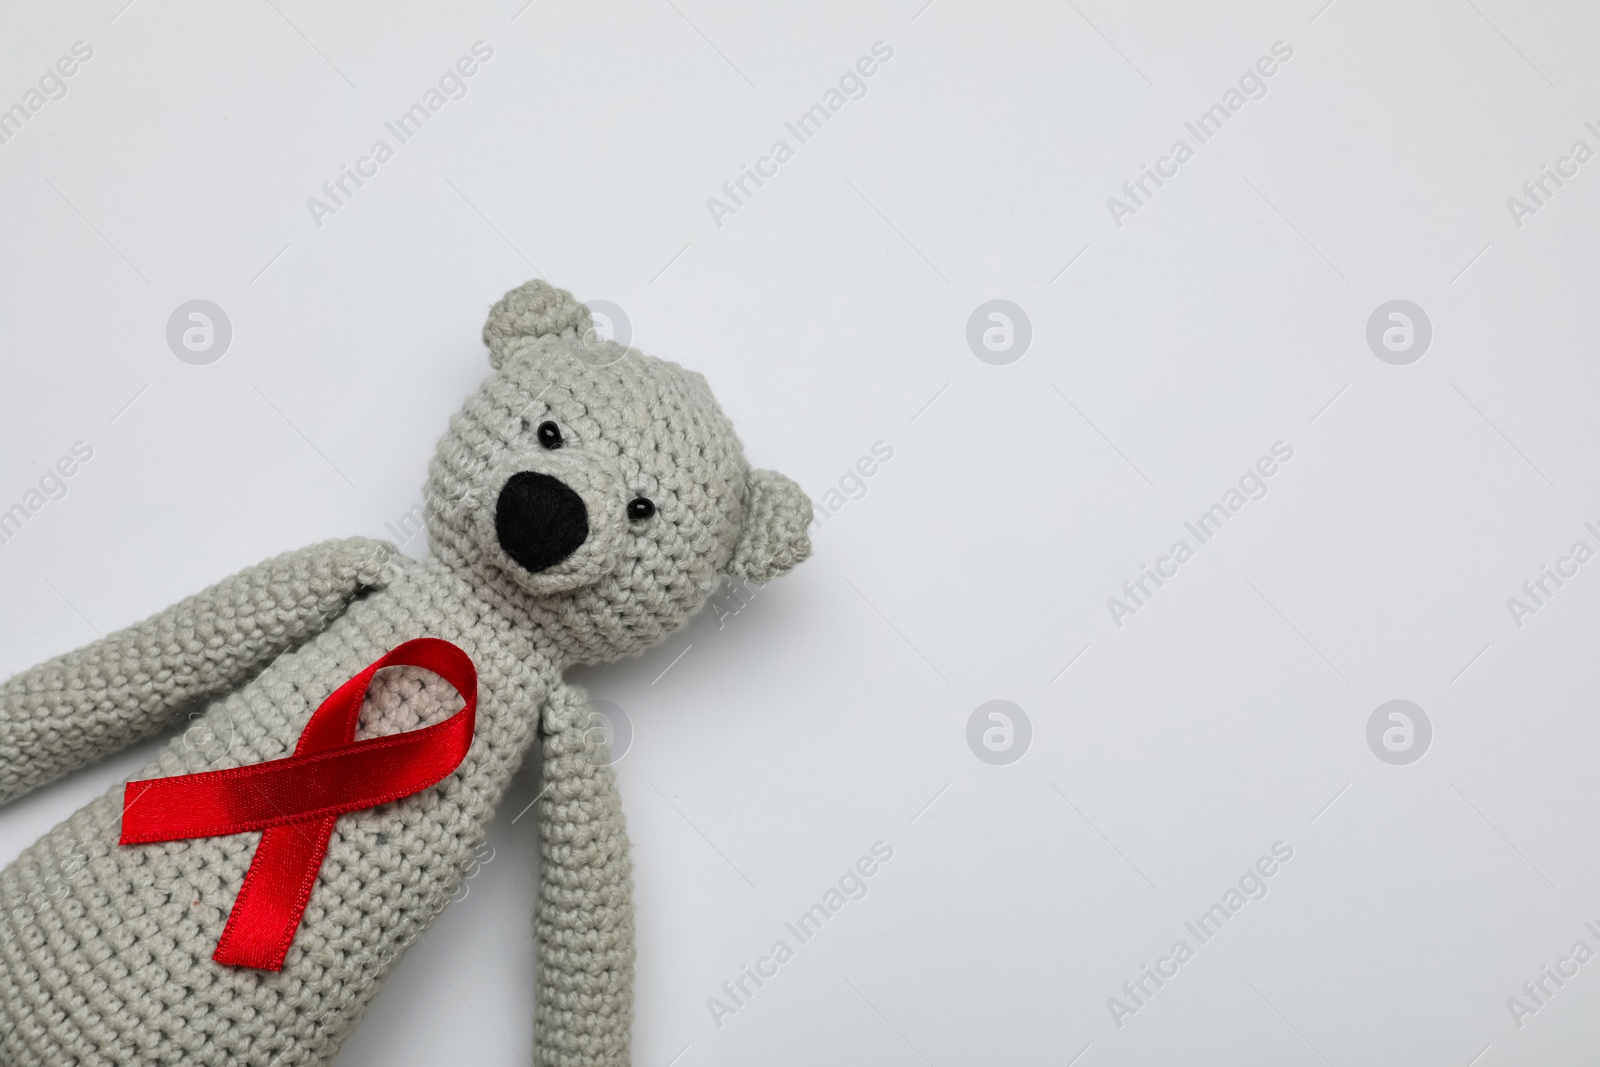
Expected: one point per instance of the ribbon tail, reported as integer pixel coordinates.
(262, 924)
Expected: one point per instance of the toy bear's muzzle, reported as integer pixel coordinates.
(557, 520)
(539, 520)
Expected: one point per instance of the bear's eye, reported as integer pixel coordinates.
(640, 509)
(550, 435)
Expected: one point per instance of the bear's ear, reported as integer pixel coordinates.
(776, 514)
(532, 310)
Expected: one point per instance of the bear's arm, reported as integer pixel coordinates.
(583, 923)
(82, 706)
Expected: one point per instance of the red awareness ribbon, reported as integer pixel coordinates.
(295, 801)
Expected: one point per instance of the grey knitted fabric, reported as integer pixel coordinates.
(105, 950)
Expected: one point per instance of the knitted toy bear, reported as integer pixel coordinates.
(582, 505)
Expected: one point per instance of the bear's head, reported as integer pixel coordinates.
(599, 493)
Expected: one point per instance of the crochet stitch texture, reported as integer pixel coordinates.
(105, 951)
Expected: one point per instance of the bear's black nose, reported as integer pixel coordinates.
(539, 520)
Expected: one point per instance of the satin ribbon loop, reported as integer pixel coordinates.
(296, 801)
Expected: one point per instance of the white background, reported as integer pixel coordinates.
(830, 313)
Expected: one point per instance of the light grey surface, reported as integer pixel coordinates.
(831, 312)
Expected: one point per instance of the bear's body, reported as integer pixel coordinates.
(582, 506)
(120, 938)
